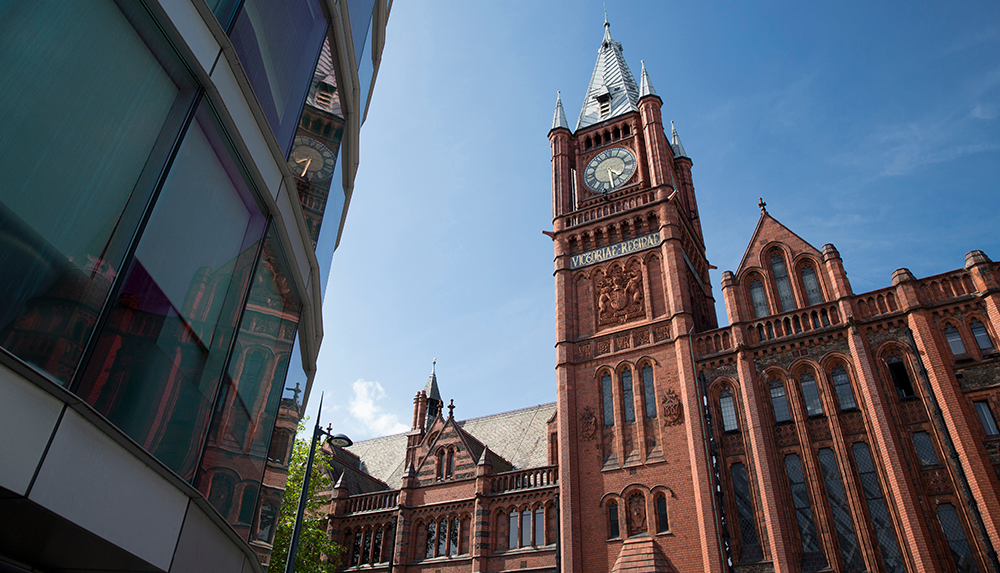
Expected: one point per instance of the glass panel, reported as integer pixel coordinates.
(661, 515)
(810, 395)
(442, 542)
(526, 528)
(779, 402)
(278, 44)
(744, 506)
(366, 551)
(248, 503)
(539, 527)
(800, 501)
(982, 336)
(728, 406)
(366, 73)
(649, 391)
(759, 299)
(628, 400)
(608, 401)
(453, 537)
(954, 340)
(431, 529)
(849, 548)
(811, 284)
(925, 449)
(783, 284)
(900, 377)
(842, 387)
(377, 546)
(156, 368)
(224, 11)
(356, 549)
(69, 210)
(265, 530)
(961, 552)
(513, 529)
(360, 13)
(613, 532)
(986, 417)
(877, 509)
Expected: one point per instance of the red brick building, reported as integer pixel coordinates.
(821, 430)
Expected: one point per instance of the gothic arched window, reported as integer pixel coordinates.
(800, 501)
(662, 524)
(539, 526)
(811, 285)
(608, 401)
(727, 404)
(613, 530)
(900, 376)
(877, 509)
(982, 337)
(954, 339)
(627, 398)
(759, 299)
(648, 391)
(842, 387)
(961, 551)
(810, 395)
(781, 281)
(779, 401)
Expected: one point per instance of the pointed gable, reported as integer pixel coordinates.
(768, 232)
(451, 453)
(612, 91)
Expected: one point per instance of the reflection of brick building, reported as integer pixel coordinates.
(820, 430)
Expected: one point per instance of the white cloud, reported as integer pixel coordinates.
(363, 407)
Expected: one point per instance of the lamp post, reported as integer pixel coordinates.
(339, 440)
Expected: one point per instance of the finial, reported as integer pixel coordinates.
(606, 24)
(434, 366)
(451, 408)
(762, 205)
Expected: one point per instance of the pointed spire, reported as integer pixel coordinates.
(484, 460)
(431, 389)
(612, 91)
(559, 117)
(675, 142)
(645, 87)
(340, 481)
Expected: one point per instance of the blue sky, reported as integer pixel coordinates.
(870, 125)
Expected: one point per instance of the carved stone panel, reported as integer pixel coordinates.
(936, 481)
(588, 424)
(912, 412)
(732, 444)
(636, 514)
(852, 423)
(673, 410)
(819, 429)
(619, 296)
(786, 435)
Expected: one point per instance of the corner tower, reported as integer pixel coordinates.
(632, 286)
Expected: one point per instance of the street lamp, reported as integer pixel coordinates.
(339, 440)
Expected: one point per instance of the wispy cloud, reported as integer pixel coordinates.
(364, 408)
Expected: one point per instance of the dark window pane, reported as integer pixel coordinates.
(442, 544)
(526, 528)
(986, 418)
(366, 550)
(649, 391)
(661, 515)
(613, 531)
(810, 395)
(265, 530)
(728, 406)
(877, 509)
(961, 552)
(377, 546)
(842, 386)
(982, 336)
(453, 534)
(779, 402)
(954, 339)
(900, 377)
(759, 299)
(800, 501)
(82, 150)
(278, 43)
(248, 502)
(784, 285)
(840, 508)
(356, 548)
(924, 446)
(539, 526)
(744, 506)
(431, 530)
(514, 520)
(813, 292)
(607, 399)
(224, 11)
(361, 17)
(628, 400)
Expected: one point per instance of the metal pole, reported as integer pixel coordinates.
(304, 495)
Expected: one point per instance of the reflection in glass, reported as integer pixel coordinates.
(877, 509)
(814, 406)
(608, 401)
(840, 508)
(156, 367)
(628, 400)
(649, 392)
(67, 210)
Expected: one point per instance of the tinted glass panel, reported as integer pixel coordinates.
(361, 18)
(840, 508)
(744, 506)
(961, 552)
(779, 402)
(628, 400)
(813, 292)
(539, 527)
(613, 532)
(986, 418)
(649, 392)
(800, 501)
(366, 73)
(982, 336)
(759, 299)
(783, 284)
(157, 365)
(842, 386)
(224, 11)
(954, 339)
(728, 406)
(278, 43)
(82, 150)
(607, 399)
(925, 449)
(661, 515)
(810, 395)
(877, 509)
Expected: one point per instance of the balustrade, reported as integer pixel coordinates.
(525, 479)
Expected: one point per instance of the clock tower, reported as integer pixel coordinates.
(632, 287)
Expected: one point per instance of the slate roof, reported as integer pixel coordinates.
(516, 438)
(324, 74)
(611, 78)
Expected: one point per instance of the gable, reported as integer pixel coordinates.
(448, 453)
(768, 233)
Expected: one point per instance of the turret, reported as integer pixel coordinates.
(560, 139)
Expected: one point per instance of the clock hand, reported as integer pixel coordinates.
(306, 168)
(611, 179)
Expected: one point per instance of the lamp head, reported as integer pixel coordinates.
(340, 440)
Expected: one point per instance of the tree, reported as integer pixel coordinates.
(314, 543)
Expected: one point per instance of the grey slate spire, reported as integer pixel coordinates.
(645, 87)
(559, 117)
(612, 89)
(433, 396)
(675, 142)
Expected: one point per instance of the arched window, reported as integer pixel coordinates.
(900, 377)
(440, 464)
(442, 538)
(449, 463)
(662, 524)
(954, 339)
(877, 509)
(842, 387)
(514, 518)
(221, 493)
(744, 506)
(356, 548)
(539, 526)
(377, 546)
(810, 395)
(366, 548)
(840, 508)
(779, 402)
(727, 404)
(608, 400)
(951, 525)
(431, 531)
(800, 501)
(781, 281)
(453, 535)
(649, 391)
(627, 398)
(982, 337)
(613, 531)
(526, 527)
(248, 502)
(759, 299)
(811, 285)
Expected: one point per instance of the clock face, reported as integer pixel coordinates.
(311, 159)
(609, 169)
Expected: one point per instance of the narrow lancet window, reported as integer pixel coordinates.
(811, 284)
(781, 281)
(759, 299)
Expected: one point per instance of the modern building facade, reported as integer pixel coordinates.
(821, 430)
(167, 167)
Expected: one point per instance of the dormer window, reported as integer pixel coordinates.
(604, 100)
(324, 95)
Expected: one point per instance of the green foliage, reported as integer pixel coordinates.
(313, 540)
